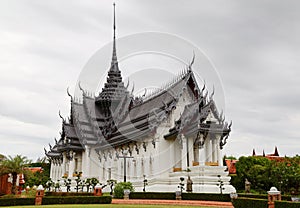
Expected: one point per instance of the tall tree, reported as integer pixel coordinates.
(14, 166)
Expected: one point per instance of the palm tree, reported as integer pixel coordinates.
(2, 157)
(14, 166)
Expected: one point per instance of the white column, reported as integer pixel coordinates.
(213, 150)
(80, 163)
(151, 166)
(201, 151)
(216, 150)
(183, 153)
(87, 161)
(202, 156)
(191, 151)
(135, 165)
(196, 154)
(72, 164)
(128, 169)
(115, 169)
(64, 164)
(58, 170)
(51, 170)
(55, 171)
(172, 155)
(142, 166)
(220, 156)
(208, 150)
(104, 168)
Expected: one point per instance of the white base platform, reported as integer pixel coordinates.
(205, 180)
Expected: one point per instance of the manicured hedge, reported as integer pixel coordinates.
(152, 195)
(16, 201)
(263, 196)
(286, 204)
(185, 196)
(77, 200)
(206, 197)
(68, 194)
(250, 203)
(57, 200)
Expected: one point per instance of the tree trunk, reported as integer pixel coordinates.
(14, 185)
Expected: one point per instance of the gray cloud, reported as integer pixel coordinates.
(253, 44)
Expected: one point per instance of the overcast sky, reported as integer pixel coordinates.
(254, 46)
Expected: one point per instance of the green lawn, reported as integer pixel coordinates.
(110, 205)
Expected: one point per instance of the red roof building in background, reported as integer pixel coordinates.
(275, 156)
(6, 181)
(230, 163)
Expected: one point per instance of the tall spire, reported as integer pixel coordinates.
(114, 88)
(114, 61)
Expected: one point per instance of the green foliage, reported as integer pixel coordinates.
(256, 170)
(37, 178)
(185, 196)
(57, 186)
(16, 201)
(206, 197)
(68, 194)
(79, 182)
(152, 195)
(237, 182)
(264, 173)
(91, 183)
(2, 157)
(67, 183)
(13, 165)
(49, 184)
(286, 175)
(249, 203)
(285, 204)
(77, 200)
(57, 200)
(263, 196)
(230, 157)
(119, 189)
(29, 193)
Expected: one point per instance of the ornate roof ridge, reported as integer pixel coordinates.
(175, 80)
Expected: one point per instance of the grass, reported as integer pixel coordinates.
(109, 205)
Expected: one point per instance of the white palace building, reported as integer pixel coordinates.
(175, 132)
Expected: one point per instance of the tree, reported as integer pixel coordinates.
(257, 170)
(38, 177)
(14, 166)
(2, 157)
(264, 173)
(119, 189)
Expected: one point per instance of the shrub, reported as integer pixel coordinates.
(68, 194)
(249, 203)
(263, 196)
(206, 197)
(16, 201)
(77, 200)
(185, 196)
(152, 195)
(119, 189)
(286, 204)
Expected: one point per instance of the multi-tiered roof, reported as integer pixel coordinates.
(115, 117)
